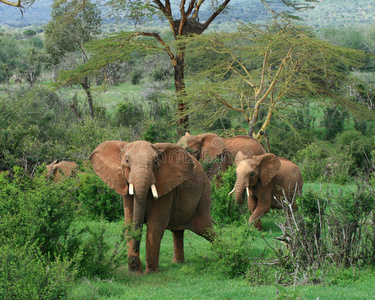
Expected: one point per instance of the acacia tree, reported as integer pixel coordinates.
(269, 69)
(67, 32)
(185, 22)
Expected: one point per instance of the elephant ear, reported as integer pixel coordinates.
(269, 165)
(239, 157)
(176, 166)
(106, 160)
(212, 145)
(51, 168)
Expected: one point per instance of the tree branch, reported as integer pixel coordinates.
(216, 13)
(14, 4)
(161, 41)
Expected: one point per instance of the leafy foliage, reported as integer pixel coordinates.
(270, 68)
(224, 209)
(26, 273)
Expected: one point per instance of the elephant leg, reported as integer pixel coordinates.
(202, 221)
(153, 241)
(202, 225)
(134, 262)
(158, 215)
(252, 205)
(178, 247)
(263, 206)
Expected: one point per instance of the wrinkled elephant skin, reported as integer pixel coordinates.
(209, 147)
(162, 186)
(265, 177)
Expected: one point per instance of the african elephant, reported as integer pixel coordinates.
(57, 171)
(265, 177)
(163, 186)
(208, 146)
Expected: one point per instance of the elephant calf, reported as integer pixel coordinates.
(164, 187)
(266, 178)
(57, 171)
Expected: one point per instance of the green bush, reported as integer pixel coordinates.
(357, 149)
(158, 132)
(102, 249)
(328, 230)
(224, 208)
(36, 211)
(234, 246)
(136, 77)
(128, 114)
(26, 274)
(96, 200)
(352, 236)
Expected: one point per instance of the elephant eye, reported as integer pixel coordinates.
(252, 174)
(157, 161)
(126, 162)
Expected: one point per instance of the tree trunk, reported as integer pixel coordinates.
(183, 121)
(86, 87)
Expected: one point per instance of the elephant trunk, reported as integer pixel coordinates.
(142, 187)
(239, 189)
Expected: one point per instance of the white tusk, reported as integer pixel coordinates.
(154, 191)
(248, 191)
(231, 192)
(131, 189)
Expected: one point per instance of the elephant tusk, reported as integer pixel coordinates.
(154, 191)
(248, 191)
(131, 189)
(231, 192)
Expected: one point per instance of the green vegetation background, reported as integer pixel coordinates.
(67, 240)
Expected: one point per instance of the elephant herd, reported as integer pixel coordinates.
(164, 186)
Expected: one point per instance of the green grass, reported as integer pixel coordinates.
(329, 187)
(201, 276)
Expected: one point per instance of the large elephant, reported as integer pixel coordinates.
(163, 186)
(265, 177)
(209, 146)
(57, 171)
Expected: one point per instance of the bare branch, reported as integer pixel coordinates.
(216, 13)
(14, 4)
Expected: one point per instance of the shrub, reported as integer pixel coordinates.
(96, 200)
(36, 211)
(26, 274)
(357, 150)
(136, 77)
(234, 246)
(102, 249)
(44, 214)
(313, 159)
(162, 73)
(158, 132)
(328, 229)
(128, 114)
(224, 208)
(351, 235)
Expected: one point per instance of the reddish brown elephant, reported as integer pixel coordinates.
(265, 177)
(164, 187)
(209, 146)
(57, 171)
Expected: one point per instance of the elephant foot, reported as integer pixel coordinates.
(135, 265)
(257, 224)
(151, 271)
(178, 260)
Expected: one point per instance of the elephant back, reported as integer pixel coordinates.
(289, 177)
(249, 146)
